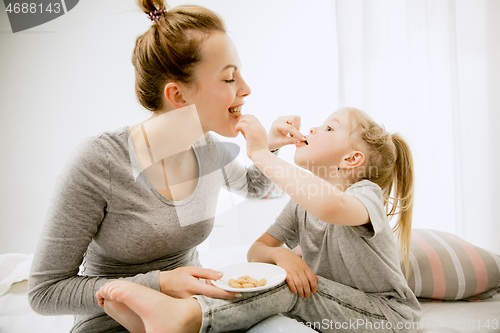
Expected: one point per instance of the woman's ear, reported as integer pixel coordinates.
(355, 159)
(173, 93)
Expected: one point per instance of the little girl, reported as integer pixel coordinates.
(349, 278)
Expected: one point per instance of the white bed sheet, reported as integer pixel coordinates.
(462, 316)
(16, 316)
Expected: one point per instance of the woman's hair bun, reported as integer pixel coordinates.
(148, 6)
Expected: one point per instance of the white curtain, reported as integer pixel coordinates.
(431, 71)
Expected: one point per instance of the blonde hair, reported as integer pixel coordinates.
(170, 49)
(390, 155)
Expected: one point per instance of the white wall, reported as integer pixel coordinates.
(72, 77)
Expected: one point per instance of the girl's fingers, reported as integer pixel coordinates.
(294, 121)
(305, 284)
(292, 141)
(299, 285)
(313, 281)
(243, 125)
(100, 299)
(248, 119)
(287, 141)
(291, 285)
(294, 133)
(240, 128)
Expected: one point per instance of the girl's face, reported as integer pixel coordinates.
(218, 85)
(327, 145)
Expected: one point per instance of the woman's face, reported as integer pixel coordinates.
(327, 144)
(218, 85)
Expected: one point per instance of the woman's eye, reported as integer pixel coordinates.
(229, 81)
(329, 129)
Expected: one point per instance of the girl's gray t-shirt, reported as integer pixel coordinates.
(105, 221)
(358, 257)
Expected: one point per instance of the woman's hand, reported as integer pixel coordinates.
(253, 132)
(300, 277)
(284, 131)
(183, 282)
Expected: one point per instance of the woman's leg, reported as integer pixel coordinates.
(158, 312)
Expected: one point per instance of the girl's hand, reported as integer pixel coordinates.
(253, 132)
(300, 277)
(183, 282)
(284, 131)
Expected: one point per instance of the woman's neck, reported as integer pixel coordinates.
(168, 135)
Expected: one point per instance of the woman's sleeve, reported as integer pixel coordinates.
(77, 207)
(246, 181)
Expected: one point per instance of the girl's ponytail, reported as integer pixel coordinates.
(402, 203)
(390, 156)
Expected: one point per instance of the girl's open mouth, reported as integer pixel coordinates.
(235, 111)
(300, 144)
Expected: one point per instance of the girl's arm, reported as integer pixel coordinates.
(314, 194)
(250, 181)
(264, 249)
(300, 277)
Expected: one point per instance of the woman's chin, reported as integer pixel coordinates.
(230, 126)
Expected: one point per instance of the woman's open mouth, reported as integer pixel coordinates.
(235, 111)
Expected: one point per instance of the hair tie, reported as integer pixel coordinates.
(155, 15)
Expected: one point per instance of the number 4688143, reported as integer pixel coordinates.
(32, 8)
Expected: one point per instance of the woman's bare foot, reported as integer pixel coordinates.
(124, 315)
(159, 313)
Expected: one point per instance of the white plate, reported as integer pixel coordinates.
(273, 274)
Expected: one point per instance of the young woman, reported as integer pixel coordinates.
(349, 278)
(135, 202)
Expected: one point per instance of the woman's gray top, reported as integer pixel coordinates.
(105, 221)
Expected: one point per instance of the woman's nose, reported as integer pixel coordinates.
(244, 90)
(311, 131)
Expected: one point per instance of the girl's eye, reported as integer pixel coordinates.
(229, 81)
(329, 129)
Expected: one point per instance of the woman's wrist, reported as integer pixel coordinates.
(164, 281)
